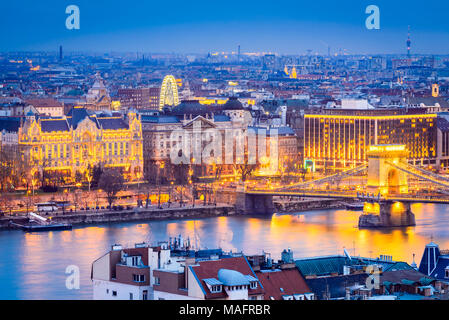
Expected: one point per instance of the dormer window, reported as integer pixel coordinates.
(215, 289)
(446, 274)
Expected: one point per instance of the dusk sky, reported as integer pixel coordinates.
(200, 26)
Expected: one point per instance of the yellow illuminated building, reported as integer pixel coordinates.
(83, 139)
(435, 90)
(293, 74)
(341, 138)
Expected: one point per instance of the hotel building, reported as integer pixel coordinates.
(72, 143)
(340, 138)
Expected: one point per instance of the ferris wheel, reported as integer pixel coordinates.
(169, 92)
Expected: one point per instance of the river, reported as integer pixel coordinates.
(33, 265)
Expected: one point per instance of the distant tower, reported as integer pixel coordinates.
(435, 90)
(238, 56)
(409, 44)
(293, 74)
(60, 53)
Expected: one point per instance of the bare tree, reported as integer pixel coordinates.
(76, 199)
(111, 182)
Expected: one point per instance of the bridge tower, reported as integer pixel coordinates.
(386, 180)
(383, 175)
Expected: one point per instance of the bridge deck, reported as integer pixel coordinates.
(337, 195)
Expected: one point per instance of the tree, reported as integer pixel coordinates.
(111, 182)
(6, 167)
(64, 196)
(244, 170)
(78, 177)
(89, 175)
(97, 171)
(76, 199)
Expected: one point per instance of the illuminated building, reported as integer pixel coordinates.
(282, 152)
(9, 128)
(293, 74)
(169, 92)
(443, 141)
(47, 106)
(72, 143)
(435, 90)
(137, 98)
(97, 97)
(340, 138)
(157, 145)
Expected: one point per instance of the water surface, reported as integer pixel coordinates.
(32, 265)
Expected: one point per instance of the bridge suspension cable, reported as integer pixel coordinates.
(335, 177)
(421, 174)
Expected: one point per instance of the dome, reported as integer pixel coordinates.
(233, 104)
(232, 278)
(188, 107)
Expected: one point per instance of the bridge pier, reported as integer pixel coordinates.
(387, 214)
(253, 204)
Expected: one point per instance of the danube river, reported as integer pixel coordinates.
(32, 266)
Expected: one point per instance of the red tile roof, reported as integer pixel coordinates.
(209, 269)
(290, 280)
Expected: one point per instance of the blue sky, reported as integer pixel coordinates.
(200, 26)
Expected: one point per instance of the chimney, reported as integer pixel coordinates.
(188, 262)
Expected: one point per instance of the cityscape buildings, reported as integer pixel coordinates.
(261, 163)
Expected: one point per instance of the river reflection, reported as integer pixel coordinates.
(32, 266)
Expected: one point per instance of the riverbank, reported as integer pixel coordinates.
(298, 206)
(188, 212)
(153, 214)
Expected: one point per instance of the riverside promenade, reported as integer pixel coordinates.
(136, 214)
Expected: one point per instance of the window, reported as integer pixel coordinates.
(215, 289)
(253, 285)
(145, 295)
(130, 296)
(447, 273)
(157, 281)
(138, 278)
(114, 293)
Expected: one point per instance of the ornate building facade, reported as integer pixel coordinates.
(83, 139)
(98, 97)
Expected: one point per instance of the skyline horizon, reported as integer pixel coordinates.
(251, 53)
(292, 27)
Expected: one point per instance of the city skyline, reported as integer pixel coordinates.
(287, 27)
